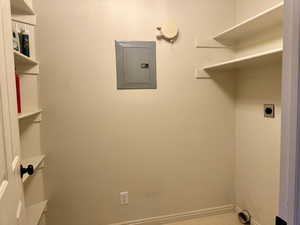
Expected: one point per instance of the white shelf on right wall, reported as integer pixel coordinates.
(262, 58)
(248, 28)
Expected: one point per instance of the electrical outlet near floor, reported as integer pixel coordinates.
(124, 198)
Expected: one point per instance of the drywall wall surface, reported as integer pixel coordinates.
(258, 138)
(246, 9)
(262, 42)
(172, 148)
(258, 142)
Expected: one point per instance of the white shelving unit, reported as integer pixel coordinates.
(24, 64)
(256, 24)
(23, 17)
(22, 12)
(35, 161)
(28, 20)
(22, 7)
(21, 59)
(35, 212)
(248, 61)
(247, 29)
(29, 114)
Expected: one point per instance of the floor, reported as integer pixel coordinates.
(224, 219)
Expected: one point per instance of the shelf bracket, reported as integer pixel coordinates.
(42, 165)
(201, 74)
(209, 43)
(38, 118)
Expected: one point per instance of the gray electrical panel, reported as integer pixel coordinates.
(136, 64)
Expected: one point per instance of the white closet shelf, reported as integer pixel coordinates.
(35, 162)
(28, 20)
(23, 59)
(34, 213)
(260, 22)
(29, 114)
(263, 58)
(21, 6)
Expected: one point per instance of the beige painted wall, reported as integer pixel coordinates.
(258, 143)
(258, 138)
(246, 9)
(171, 148)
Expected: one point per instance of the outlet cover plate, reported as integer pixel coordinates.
(124, 198)
(269, 110)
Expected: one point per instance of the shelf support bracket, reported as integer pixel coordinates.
(209, 43)
(201, 74)
(38, 119)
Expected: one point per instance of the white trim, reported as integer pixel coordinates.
(15, 163)
(19, 210)
(253, 220)
(180, 216)
(3, 187)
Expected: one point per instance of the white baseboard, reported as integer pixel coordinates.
(253, 220)
(179, 216)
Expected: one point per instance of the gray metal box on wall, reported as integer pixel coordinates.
(136, 64)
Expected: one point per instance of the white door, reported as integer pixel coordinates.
(12, 209)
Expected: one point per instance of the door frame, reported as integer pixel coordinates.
(289, 199)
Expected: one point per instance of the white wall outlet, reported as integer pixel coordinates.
(124, 198)
(201, 74)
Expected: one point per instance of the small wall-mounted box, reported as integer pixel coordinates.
(136, 64)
